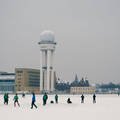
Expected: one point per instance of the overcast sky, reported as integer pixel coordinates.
(87, 33)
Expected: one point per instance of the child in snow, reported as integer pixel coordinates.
(16, 100)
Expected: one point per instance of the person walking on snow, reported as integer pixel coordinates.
(33, 101)
(82, 99)
(16, 100)
(56, 98)
(6, 98)
(45, 97)
(94, 98)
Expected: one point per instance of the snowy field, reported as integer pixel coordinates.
(107, 107)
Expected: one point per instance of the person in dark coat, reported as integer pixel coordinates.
(68, 101)
(33, 101)
(82, 99)
(23, 95)
(6, 98)
(94, 98)
(45, 97)
(56, 98)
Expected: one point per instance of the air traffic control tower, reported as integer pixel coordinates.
(47, 48)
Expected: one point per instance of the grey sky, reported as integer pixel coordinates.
(87, 33)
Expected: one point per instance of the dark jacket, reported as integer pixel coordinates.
(45, 97)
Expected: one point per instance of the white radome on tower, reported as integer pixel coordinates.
(47, 35)
(47, 47)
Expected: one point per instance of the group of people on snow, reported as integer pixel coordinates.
(6, 99)
(94, 98)
(45, 97)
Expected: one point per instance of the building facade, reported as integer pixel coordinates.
(7, 81)
(62, 86)
(2, 72)
(82, 90)
(27, 79)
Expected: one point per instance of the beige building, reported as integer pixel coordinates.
(28, 79)
(82, 90)
(113, 91)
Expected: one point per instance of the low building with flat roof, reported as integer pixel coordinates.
(7, 82)
(1, 72)
(82, 90)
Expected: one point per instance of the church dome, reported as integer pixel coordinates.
(47, 36)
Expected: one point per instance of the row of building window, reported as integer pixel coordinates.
(7, 88)
(19, 81)
(33, 72)
(80, 92)
(34, 79)
(19, 74)
(31, 78)
(7, 80)
(34, 82)
(34, 76)
(19, 71)
(17, 85)
(79, 88)
(32, 85)
(29, 72)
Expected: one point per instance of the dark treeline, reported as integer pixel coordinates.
(109, 85)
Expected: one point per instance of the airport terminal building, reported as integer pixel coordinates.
(7, 81)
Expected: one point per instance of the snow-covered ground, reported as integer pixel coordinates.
(107, 107)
